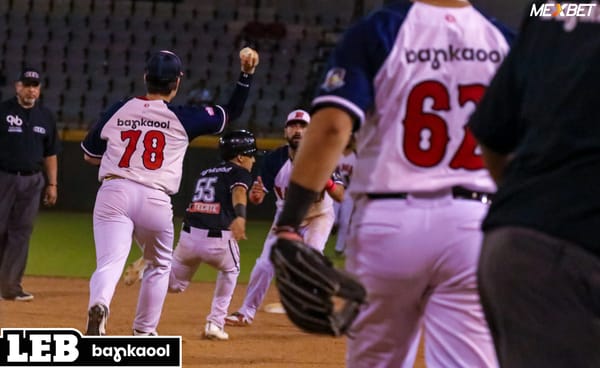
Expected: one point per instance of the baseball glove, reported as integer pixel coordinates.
(307, 284)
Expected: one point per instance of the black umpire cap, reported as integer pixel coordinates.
(29, 77)
(164, 66)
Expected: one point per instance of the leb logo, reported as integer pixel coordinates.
(68, 348)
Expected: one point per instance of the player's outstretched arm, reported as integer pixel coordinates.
(248, 62)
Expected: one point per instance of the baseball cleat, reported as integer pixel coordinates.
(22, 296)
(97, 316)
(214, 332)
(237, 319)
(134, 272)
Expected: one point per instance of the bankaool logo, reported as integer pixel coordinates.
(67, 348)
(554, 10)
(436, 56)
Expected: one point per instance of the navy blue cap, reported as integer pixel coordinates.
(163, 66)
(29, 76)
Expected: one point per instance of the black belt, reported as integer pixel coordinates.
(212, 233)
(457, 192)
(21, 172)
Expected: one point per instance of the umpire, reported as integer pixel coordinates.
(539, 128)
(29, 146)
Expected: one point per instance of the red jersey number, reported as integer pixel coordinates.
(426, 134)
(154, 146)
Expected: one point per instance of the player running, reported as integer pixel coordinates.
(275, 175)
(140, 144)
(214, 222)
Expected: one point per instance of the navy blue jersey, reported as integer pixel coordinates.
(542, 108)
(26, 136)
(211, 205)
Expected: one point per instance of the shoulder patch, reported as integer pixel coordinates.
(334, 79)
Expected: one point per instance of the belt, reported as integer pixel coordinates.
(21, 172)
(457, 192)
(212, 233)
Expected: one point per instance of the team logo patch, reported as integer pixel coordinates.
(334, 79)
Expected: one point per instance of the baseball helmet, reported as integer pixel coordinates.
(237, 142)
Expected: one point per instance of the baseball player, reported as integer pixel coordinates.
(214, 222)
(140, 144)
(407, 78)
(275, 174)
(343, 209)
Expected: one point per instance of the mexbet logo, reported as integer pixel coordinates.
(562, 10)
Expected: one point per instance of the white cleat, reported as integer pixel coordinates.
(214, 332)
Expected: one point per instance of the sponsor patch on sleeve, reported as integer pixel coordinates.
(334, 79)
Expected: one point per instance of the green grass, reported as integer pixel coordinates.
(62, 245)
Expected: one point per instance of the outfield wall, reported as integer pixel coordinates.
(78, 181)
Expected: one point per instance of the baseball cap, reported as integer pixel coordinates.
(298, 115)
(30, 76)
(163, 65)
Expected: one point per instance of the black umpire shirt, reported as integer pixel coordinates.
(543, 106)
(26, 136)
(211, 205)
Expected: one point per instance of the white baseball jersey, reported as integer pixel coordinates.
(145, 140)
(276, 171)
(412, 107)
(345, 167)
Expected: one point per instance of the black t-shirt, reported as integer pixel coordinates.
(211, 205)
(543, 107)
(26, 136)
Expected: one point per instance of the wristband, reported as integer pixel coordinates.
(330, 184)
(239, 210)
